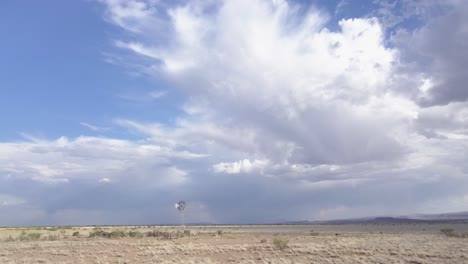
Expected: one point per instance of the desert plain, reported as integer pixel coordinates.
(338, 243)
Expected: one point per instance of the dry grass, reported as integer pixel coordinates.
(228, 246)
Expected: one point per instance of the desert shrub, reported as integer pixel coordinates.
(117, 234)
(263, 241)
(219, 232)
(52, 237)
(447, 231)
(280, 242)
(27, 236)
(166, 235)
(99, 233)
(76, 234)
(95, 233)
(279, 234)
(159, 233)
(34, 236)
(187, 232)
(179, 234)
(23, 236)
(154, 233)
(313, 233)
(451, 233)
(31, 236)
(113, 234)
(135, 234)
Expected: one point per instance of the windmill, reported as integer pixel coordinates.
(181, 207)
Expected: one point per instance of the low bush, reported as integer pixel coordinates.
(53, 237)
(34, 236)
(135, 234)
(160, 234)
(451, 233)
(154, 233)
(447, 231)
(313, 233)
(117, 234)
(280, 242)
(23, 236)
(99, 233)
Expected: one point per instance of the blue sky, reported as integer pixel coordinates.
(55, 73)
(113, 110)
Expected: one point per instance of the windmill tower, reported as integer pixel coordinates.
(181, 207)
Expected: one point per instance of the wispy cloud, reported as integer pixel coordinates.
(9, 200)
(94, 127)
(104, 180)
(157, 94)
(143, 97)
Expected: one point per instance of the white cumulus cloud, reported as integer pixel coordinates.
(317, 120)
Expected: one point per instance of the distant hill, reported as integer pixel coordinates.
(446, 216)
(416, 218)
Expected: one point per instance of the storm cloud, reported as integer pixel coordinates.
(283, 118)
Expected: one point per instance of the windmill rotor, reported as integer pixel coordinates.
(180, 205)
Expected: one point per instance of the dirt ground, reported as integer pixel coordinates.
(420, 243)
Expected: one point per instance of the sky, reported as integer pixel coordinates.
(251, 111)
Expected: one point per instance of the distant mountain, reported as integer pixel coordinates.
(446, 216)
(416, 218)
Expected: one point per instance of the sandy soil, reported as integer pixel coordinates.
(240, 244)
